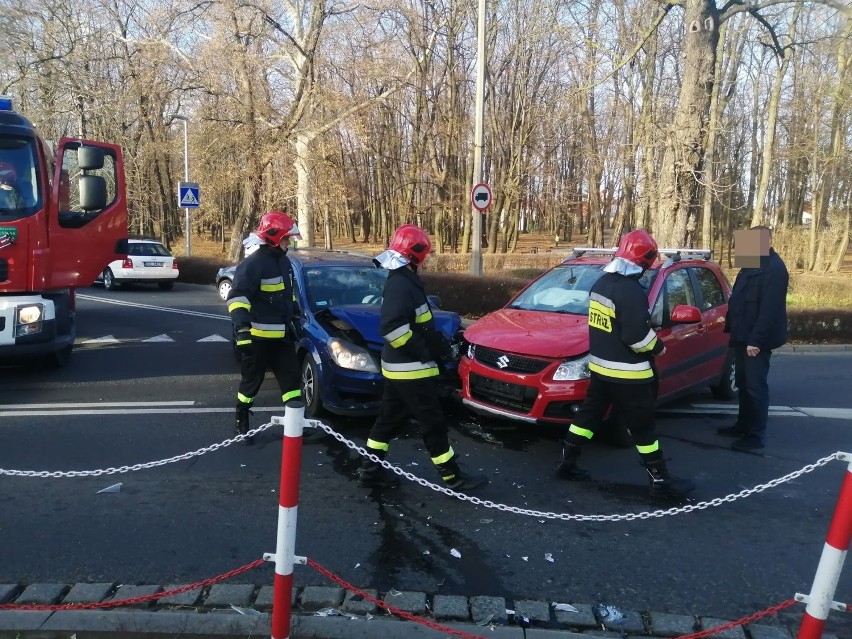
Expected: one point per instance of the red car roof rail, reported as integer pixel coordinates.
(677, 254)
(579, 251)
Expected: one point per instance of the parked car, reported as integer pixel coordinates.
(147, 262)
(339, 344)
(528, 362)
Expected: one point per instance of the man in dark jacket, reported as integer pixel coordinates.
(262, 305)
(410, 355)
(622, 347)
(757, 323)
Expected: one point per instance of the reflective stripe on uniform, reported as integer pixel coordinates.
(620, 370)
(399, 336)
(244, 399)
(268, 330)
(582, 432)
(650, 448)
(272, 284)
(286, 397)
(372, 444)
(603, 301)
(443, 459)
(422, 314)
(409, 370)
(647, 343)
(238, 302)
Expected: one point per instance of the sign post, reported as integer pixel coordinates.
(188, 198)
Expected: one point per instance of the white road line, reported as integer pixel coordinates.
(774, 411)
(134, 411)
(96, 405)
(107, 339)
(179, 311)
(830, 413)
(159, 338)
(728, 411)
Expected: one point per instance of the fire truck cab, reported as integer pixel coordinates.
(63, 216)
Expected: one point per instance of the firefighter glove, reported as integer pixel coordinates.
(244, 341)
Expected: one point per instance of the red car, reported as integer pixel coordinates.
(529, 361)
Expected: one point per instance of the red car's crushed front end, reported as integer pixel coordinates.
(515, 365)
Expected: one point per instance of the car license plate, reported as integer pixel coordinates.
(152, 263)
(500, 388)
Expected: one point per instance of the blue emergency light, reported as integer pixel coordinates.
(6, 103)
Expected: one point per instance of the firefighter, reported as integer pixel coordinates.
(622, 347)
(10, 198)
(262, 305)
(410, 361)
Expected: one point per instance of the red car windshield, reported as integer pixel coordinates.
(565, 289)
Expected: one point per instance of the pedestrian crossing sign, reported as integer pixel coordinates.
(188, 195)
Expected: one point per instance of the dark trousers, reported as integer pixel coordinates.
(278, 355)
(633, 403)
(751, 377)
(418, 399)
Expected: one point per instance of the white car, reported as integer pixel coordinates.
(147, 262)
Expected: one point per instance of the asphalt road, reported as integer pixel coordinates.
(147, 384)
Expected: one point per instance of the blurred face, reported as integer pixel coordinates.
(750, 246)
(285, 243)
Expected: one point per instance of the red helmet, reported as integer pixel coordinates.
(8, 175)
(638, 247)
(274, 226)
(412, 243)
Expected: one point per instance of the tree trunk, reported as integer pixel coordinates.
(683, 159)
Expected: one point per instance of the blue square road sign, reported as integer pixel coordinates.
(188, 195)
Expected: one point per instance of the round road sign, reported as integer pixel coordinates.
(480, 197)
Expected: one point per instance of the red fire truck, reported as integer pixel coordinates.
(63, 216)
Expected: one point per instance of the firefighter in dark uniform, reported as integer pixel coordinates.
(262, 305)
(622, 346)
(410, 366)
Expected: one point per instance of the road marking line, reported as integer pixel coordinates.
(830, 413)
(730, 411)
(106, 339)
(213, 338)
(97, 405)
(159, 338)
(150, 307)
(134, 411)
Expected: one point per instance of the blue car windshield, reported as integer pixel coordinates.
(328, 286)
(565, 289)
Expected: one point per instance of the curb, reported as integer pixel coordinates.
(244, 610)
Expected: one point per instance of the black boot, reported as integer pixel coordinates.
(374, 475)
(568, 468)
(666, 486)
(457, 480)
(241, 426)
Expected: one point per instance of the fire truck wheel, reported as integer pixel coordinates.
(109, 280)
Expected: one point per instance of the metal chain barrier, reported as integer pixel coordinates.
(688, 508)
(126, 469)
(314, 423)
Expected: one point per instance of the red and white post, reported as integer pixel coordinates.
(288, 502)
(821, 599)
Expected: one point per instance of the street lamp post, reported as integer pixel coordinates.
(178, 116)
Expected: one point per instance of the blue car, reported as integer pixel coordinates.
(339, 345)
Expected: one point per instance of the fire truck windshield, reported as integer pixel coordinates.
(20, 184)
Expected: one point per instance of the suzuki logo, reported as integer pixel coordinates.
(502, 361)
